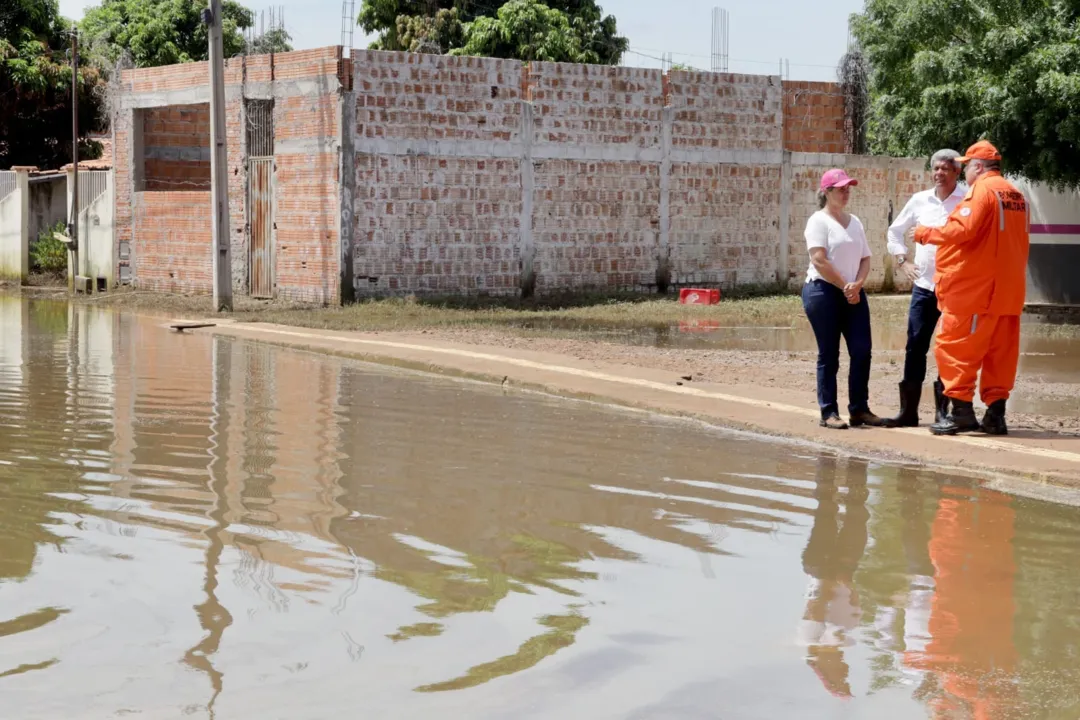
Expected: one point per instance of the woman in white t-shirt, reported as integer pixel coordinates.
(835, 303)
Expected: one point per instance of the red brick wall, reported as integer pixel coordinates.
(610, 179)
(306, 238)
(595, 223)
(596, 105)
(437, 225)
(427, 223)
(404, 96)
(723, 111)
(307, 212)
(724, 224)
(176, 147)
(814, 117)
(172, 232)
(725, 214)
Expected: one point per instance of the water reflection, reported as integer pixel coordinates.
(832, 555)
(197, 526)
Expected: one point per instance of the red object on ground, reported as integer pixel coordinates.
(687, 326)
(699, 296)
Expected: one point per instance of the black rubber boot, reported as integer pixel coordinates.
(962, 419)
(993, 422)
(865, 417)
(910, 394)
(941, 402)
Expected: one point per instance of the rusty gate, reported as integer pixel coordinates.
(260, 151)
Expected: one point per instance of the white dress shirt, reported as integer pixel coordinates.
(925, 209)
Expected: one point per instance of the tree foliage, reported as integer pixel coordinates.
(160, 32)
(275, 40)
(556, 30)
(35, 86)
(945, 73)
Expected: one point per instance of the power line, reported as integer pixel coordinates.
(740, 60)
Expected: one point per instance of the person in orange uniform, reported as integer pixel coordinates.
(981, 276)
(971, 650)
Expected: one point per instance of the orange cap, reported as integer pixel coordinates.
(981, 150)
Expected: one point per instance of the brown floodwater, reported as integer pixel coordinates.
(201, 527)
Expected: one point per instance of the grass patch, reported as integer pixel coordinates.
(564, 314)
(48, 255)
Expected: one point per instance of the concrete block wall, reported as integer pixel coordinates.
(48, 203)
(885, 184)
(96, 232)
(15, 224)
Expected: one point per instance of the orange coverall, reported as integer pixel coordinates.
(981, 281)
(971, 649)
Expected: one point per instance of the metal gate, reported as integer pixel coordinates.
(7, 183)
(260, 151)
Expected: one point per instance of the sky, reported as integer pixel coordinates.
(811, 35)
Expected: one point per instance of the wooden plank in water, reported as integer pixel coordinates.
(182, 326)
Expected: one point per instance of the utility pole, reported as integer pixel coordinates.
(219, 177)
(74, 229)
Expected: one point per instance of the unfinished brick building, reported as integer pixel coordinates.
(393, 173)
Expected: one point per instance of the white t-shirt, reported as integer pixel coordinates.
(845, 247)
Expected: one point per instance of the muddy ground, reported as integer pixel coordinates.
(785, 369)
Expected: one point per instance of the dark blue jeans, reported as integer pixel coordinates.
(832, 316)
(922, 320)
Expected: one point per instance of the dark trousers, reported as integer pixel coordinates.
(922, 320)
(832, 316)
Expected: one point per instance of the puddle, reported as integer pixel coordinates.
(204, 527)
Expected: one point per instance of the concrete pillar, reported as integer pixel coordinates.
(663, 257)
(528, 183)
(15, 229)
(80, 254)
(783, 272)
(347, 186)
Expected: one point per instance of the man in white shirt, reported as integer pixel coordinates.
(932, 209)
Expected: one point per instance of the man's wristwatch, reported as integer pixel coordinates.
(900, 261)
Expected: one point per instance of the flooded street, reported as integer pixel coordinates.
(198, 526)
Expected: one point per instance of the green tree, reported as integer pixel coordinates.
(559, 30)
(275, 40)
(159, 32)
(945, 73)
(35, 86)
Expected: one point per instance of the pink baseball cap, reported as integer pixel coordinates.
(836, 178)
